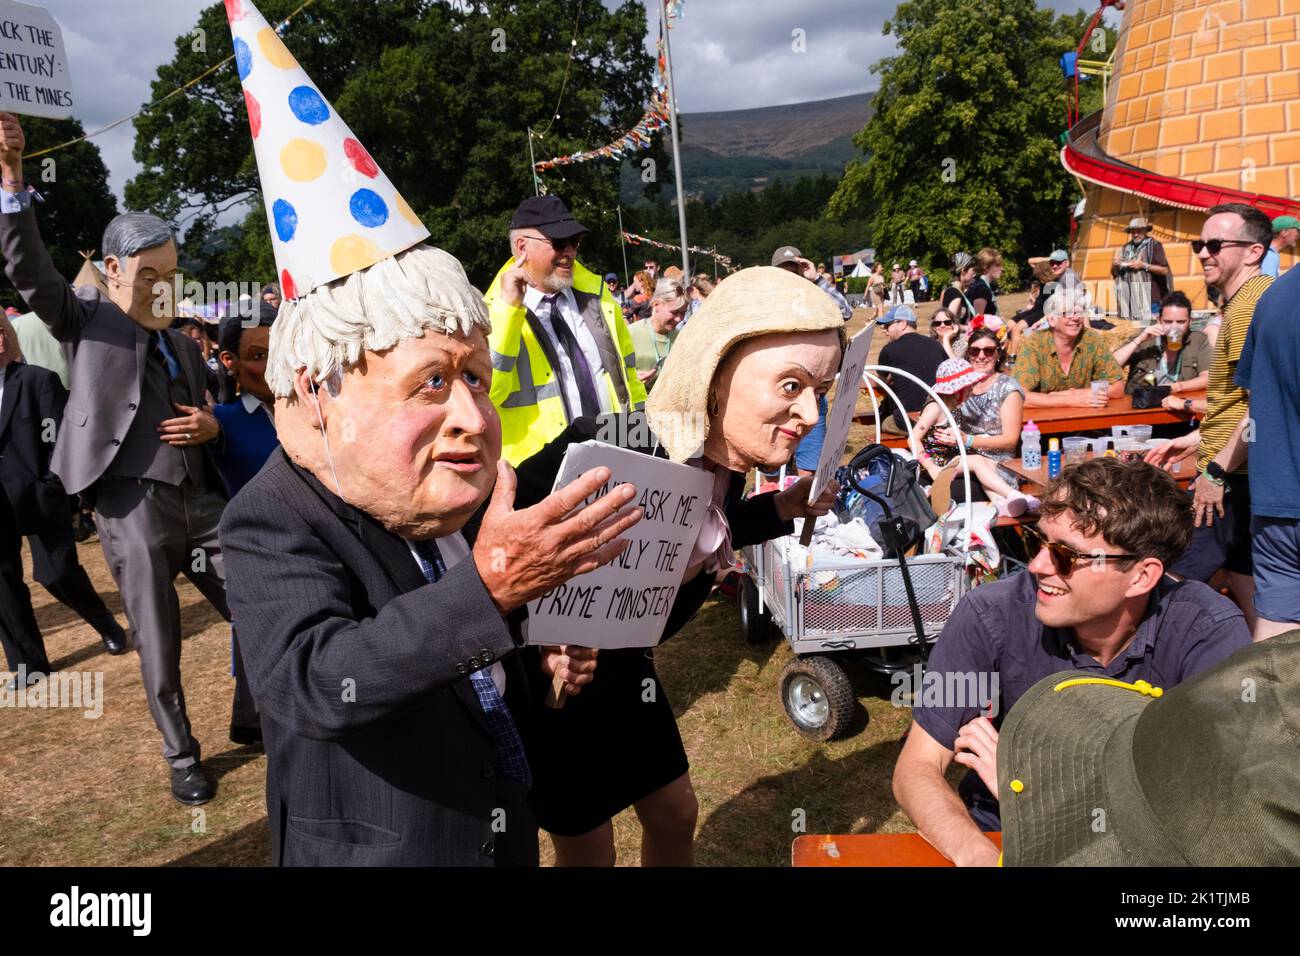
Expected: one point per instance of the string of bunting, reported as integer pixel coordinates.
(631, 238)
(654, 119)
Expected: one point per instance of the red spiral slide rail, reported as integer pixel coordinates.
(1083, 156)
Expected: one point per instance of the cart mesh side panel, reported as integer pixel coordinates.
(871, 597)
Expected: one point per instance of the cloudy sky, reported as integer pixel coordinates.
(727, 54)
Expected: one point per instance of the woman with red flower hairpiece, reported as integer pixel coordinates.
(987, 406)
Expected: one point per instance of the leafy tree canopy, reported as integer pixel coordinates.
(963, 147)
(441, 94)
(750, 226)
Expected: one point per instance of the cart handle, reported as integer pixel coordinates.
(861, 460)
(894, 536)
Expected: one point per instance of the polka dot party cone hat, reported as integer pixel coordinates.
(331, 209)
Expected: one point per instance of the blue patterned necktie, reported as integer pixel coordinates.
(162, 357)
(577, 360)
(510, 747)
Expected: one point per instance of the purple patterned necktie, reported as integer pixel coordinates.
(577, 360)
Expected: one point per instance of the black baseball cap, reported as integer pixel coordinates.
(549, 216)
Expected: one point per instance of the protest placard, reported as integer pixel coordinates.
(34, 76)
(840, 418)
(626, 602)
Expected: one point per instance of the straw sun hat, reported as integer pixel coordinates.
(762, 300)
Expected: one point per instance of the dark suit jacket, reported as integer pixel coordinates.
(106, 350)
(31, 412)
(329, 605)
(611, 359)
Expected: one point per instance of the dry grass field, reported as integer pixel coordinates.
(85, 792)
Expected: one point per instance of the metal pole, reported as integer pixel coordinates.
(532, 165)
(622, 242)
(672, 120)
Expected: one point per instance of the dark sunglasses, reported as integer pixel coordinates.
(1063, 557)
(1214, 245)
(559, 245)
(984, 351)
(944, 324)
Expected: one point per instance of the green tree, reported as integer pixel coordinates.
(74, 184)
(749, 226)
(441, 95)
(962, 150)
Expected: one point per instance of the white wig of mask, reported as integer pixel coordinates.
(327, 330)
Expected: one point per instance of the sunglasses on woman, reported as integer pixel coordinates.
(983, 351)
(1214, 245)
(944, 324)
(1063, 557)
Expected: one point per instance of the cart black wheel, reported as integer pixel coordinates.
(756, 625)
(818, 697)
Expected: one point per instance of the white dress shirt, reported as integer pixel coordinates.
(252, 403)
(568, 306)
(454, 549)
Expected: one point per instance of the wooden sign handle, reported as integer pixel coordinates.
(555, 693)
(809, 525)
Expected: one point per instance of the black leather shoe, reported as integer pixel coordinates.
(115, 643)
(191, 787)
(83, 526)
(246, 736)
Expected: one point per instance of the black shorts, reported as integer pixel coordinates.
(1226, 543)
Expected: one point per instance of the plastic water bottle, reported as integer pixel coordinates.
(1031, 447)
(1053, 457)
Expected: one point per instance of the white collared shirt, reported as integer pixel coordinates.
(252, 403)
(567, 303)
(454, 549)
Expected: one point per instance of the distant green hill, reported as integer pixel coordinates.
(745, 150)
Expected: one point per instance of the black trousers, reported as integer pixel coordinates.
(55, 565)
(21, 638)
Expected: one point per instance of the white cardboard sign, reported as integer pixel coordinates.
(34, 76)
(626, 602)
(840, 418)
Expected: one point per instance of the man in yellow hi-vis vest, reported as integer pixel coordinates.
(560, 347)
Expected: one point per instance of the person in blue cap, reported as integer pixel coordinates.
(910, 352)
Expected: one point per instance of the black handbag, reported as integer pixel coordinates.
(1150, 396)
(902, 490)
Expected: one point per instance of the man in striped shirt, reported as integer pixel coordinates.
(1232, 246)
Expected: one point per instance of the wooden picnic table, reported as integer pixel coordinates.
(869, 849)
(1037, 477)
(1073, 419)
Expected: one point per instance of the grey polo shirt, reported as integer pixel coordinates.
(1188, 628)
